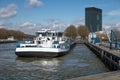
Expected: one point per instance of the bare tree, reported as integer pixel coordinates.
(70, 32)
(83, 31)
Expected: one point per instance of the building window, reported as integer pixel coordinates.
(98, 18)
(97, 27)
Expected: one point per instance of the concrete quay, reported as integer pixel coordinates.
(115, 75)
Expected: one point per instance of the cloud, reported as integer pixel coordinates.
(9, 11)
(78, 21)
(54, 20)
(26, 27)
(114, 13)
(1, 24)
(30, 27)
(117, 25)
(55, 24)
(5, 25)
(34, 3)
(111, 26)
(25, 24)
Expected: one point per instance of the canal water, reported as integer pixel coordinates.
(79, 62)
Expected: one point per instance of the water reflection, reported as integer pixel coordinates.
(36, 63)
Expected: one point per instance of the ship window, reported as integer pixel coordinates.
(44, 34)
(55, 42)
(59, 34)
(39, 42)
(53, 34)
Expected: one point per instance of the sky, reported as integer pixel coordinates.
(30, 16)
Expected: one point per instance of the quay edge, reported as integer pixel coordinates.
(107, 56)
(115, 75)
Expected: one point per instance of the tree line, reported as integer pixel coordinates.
(4, 34)
(72, 31)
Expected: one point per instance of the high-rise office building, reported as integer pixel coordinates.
(93, 19)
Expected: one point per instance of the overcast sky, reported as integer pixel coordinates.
(30, 16)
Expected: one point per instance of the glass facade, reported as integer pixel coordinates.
(93, 19)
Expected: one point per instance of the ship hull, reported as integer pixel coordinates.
(40, 52)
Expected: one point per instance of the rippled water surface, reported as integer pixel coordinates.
(79, 62)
